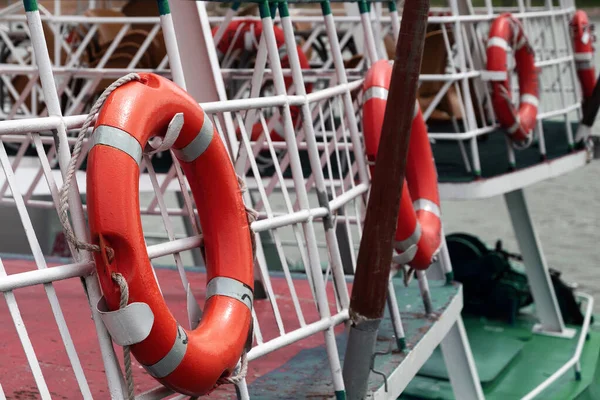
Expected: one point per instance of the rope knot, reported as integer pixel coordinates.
(236, 378)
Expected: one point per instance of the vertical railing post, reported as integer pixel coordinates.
(369, 291)
(166, 22)
(42, 57)
(314, 157)
(314, 264)
(196, 47)
(470, 121)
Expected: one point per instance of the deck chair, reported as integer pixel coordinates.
(130, 43)
(435, 59)
(143, 8)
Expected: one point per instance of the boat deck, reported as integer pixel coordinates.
(511, 361)
(17, 380)
(282, 374)
(310, 365)
(497, 176)
(494, 154)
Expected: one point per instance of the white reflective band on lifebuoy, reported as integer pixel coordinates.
(497, 41)
(583, 56)
(199, 144)
(583, 65)
(119, 139)
(406, 256)
(375, 92)
(171, 361)
(128, 325)
(222, 286)
(427, 205)
(530, 99)
(413, 239)
(515, 127)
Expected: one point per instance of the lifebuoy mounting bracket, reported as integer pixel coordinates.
(128, 325)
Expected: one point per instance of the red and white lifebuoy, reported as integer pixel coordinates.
(189, 362)
(583, 38)
(507, 32)
(245, 34)
(418, 232)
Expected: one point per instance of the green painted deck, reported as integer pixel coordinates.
(307, 374)
(493, 153)
(539, 357)
(498, 354)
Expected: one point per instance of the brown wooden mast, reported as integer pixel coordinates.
(369, 290)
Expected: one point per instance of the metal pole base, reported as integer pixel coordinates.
(359, 353)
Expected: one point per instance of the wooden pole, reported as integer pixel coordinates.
(375, 253)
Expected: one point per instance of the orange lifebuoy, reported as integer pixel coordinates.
(189, 362)
(506, 32)
(242, 34)
(583, 39)
(418, 232)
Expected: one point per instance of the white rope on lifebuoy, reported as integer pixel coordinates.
(152, 147)
(64, 191)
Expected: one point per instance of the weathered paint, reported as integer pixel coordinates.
(17, 381)
(310, 365)
(514, 375)
(163, 7)
(492, 153)
(30, 5)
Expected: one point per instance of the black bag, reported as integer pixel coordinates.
(569, 307)
(495, 284)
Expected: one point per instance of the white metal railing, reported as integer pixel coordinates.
(285, 215)
(283, 186)
(540, 23)
(574, 361)
(546, 28)
(85, 54)
(270, 223)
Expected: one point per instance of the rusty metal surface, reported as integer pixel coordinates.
(307, 376)
(17, 381)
